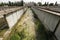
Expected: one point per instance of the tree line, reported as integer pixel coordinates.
(20, 3)
(47, 4)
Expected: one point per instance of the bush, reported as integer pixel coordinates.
(40, 4)
(51, 4)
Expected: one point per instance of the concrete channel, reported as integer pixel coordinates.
(29, 27)
(11, 17)
(51, 21)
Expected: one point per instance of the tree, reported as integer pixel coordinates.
(40, 4)
(2, 4)
(35, 4)
(10, 3)
(22, 2)
(51, 4)
(56, 4)
(45, 4)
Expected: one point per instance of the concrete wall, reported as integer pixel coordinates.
(49, 20)
(57, 33)
(14, 17)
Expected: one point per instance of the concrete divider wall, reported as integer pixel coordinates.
(14, 17)
(49, 20)
(57, 33)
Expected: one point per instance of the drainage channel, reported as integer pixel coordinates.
(29, 27)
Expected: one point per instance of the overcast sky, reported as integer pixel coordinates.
(50, 1)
